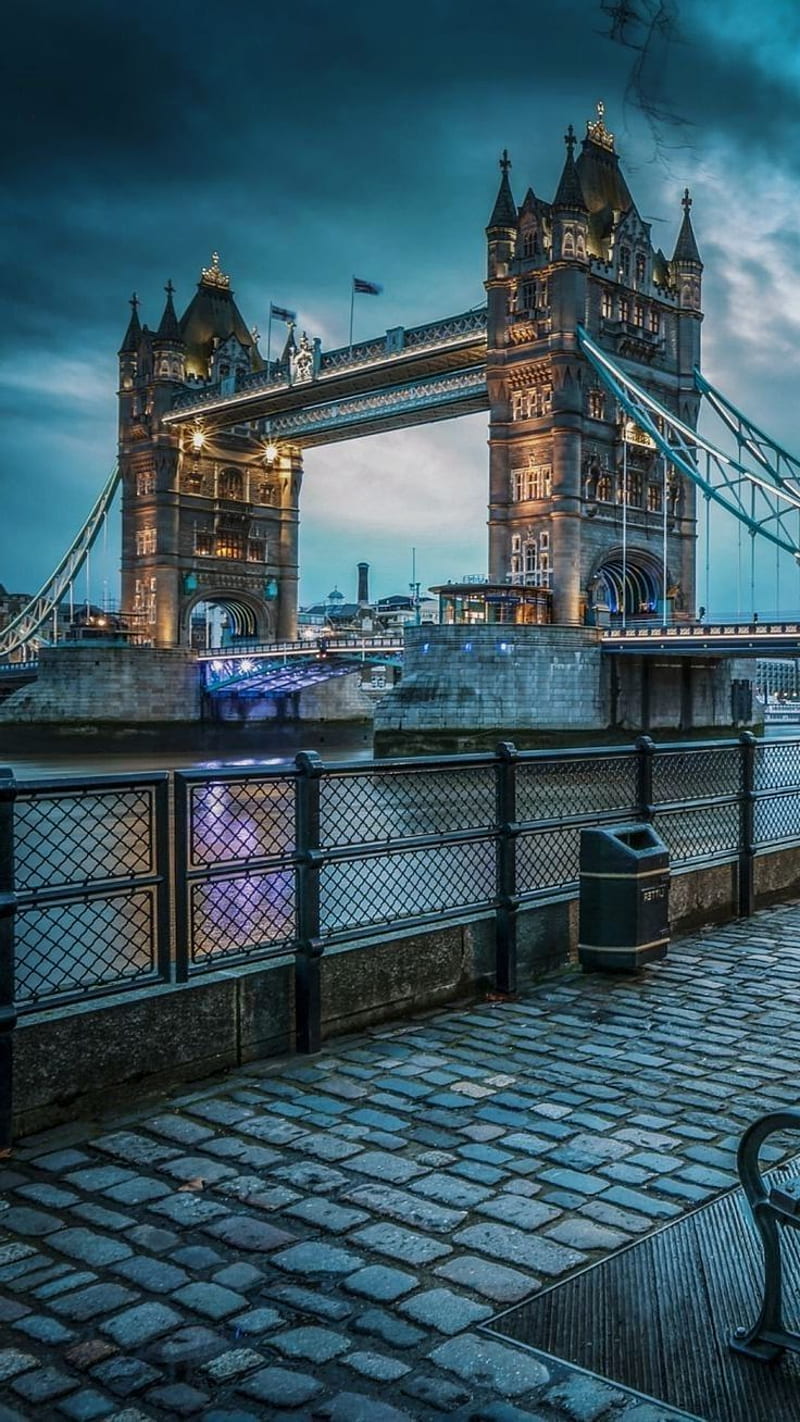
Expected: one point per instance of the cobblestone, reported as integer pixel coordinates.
(322, 1238)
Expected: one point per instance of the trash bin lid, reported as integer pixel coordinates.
(631, 848)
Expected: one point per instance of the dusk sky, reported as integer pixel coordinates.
(324, 138)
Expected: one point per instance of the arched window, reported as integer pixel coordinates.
(231, 484)
(641, 267)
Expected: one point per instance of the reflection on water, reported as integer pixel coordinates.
(82, 762)
(79, 762)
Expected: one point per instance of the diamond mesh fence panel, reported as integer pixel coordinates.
(236, 916)
(703, 833)
(548, 859)
(69, 948)
(69, 838)
(380, 805)
(236, 820)
(776, 819)
(558, 789)
(385, 888)
(777, 766)
(696, 774)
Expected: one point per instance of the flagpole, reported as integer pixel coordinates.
(352, 304)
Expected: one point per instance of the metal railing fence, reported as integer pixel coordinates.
(107, 884)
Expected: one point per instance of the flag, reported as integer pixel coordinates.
(366, 288)
(280, 313)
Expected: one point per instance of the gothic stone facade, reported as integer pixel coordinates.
(208, 516)
(560, 516)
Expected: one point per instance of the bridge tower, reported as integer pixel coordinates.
(580, 502)
(209, 515)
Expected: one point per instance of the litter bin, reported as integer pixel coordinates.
(624, 897)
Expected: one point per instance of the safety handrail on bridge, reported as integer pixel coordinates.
(21, 631)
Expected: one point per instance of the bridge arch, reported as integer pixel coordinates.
(630, 581)
(250, 618)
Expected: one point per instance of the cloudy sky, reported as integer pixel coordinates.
(311, 141)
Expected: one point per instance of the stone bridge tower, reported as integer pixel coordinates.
(208, 515)
(579, 497)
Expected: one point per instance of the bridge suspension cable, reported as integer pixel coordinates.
(760, 501)
(24, 632)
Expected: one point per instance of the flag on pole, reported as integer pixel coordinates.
(280, 313)
(366, 288)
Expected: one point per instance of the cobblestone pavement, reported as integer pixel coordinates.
(321, 1238)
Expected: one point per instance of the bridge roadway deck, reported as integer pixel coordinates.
(325, 1237)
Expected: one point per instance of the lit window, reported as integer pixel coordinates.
(655, 322)
(145, 541)
(654, 498)
(606, 307)
(624, 262)
(641, 267)
(624, 309)
(638, 314)
(145, 482)
(596, 404)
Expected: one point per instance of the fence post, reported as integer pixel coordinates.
(308, 1003)
(506, 868)
(747, 797)
(182, 852)
(8, 907)
(645, 750)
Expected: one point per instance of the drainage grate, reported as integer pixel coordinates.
(656, 1318)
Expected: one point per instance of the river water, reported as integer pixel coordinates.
(337, 748)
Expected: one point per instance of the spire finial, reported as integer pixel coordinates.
(213, 275)
(686, 201)
(134, 302)
(169, 288)
(505, 161)
(569, 139)
(596, 130)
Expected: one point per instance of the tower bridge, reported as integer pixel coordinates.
(586, 357)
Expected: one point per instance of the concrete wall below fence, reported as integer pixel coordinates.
(84, 1059)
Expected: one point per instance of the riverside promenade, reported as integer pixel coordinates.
(326, 1238)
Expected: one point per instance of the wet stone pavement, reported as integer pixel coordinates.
(323, 1238)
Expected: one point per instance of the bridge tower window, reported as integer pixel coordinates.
(231, 484)
(641, 267)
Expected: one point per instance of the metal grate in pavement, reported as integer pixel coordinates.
(656, 1316)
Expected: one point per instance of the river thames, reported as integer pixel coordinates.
(347, 747)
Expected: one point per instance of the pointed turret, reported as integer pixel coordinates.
(569, 194)
(133, 335)
(686, 253)
(169, 348)
(504, 212)
(169, 332)
(501, 236)
(570, 213)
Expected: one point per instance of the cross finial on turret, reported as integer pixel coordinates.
(601, 110)
(169, 288)
(569, 139)
(134, 302)
(686, 201)
(505, 161)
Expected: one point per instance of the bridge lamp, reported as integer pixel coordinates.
(198, 439)
(270, 452)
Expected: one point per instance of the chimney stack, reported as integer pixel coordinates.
(363, 584)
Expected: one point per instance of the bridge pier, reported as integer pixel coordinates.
(465, 687)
